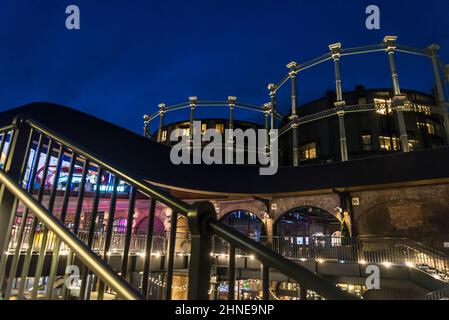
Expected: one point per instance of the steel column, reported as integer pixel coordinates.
(399, 99)
(162, 108)
(292, 66)
(340, 103)
(442, 103)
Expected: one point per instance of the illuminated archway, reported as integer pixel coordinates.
(246, 223)
(306, 221)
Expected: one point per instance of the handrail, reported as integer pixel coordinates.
(90, 259)
(320, 284)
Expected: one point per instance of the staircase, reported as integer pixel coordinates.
(34, 233)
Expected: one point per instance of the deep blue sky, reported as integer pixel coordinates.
(129, 56)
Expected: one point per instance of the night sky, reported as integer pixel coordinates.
(129, 56)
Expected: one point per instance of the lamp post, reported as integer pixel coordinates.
(162, 108)
(399, 100)
(340, 103)
(292, 67)
(442, 103)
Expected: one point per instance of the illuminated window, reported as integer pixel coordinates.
(383, 106)
(308, 151)
(186, 132)
(396, 144)
(219, 127)
(164, 135)
(367, 142)
(385, 143)
(413, 144)
(389, 144)
(203, 128)
(428, 126)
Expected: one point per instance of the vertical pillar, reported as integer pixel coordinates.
(267, 111)
(231, 103)
(272, 89)
(146, 126)
(162, 108)
(292, 66)
(193, 102)
(399, 100)
(340, 103)
(442, 103)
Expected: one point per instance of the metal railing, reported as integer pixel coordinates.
(31, 144)
(397, 251)
(442, 294)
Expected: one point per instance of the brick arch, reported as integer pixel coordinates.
(255, 207)
(327, 203)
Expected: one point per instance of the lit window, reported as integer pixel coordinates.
(396, 144)
(367, 142)
(186, 132)
(164, 135)
(219, 127)
(389, 144)
(383, 106)
(203, 128)
(308, 151)
(385, 143)
(413, 144)
(429, 127)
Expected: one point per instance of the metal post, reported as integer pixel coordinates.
(162, 108)
(146, 126)
(231, 272)
(292, 66)
(265, 275)
(272, 89)
(399, 100)
(230, 138)
(200, 260)
(442, 103)
(340, 103)
(14, 166)
(193, 102)
(267, 110)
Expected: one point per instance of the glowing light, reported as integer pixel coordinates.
(387, 264)
(320, 260)
(409, 264)
(303, 259)
(251, 257)
(362, 262)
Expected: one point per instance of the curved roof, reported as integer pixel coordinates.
(150, 160)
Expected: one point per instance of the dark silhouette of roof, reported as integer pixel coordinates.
(150, 160)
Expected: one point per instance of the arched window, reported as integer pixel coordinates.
(306, 222)
(246, 223)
